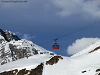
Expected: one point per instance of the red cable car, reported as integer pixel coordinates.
(55, 46)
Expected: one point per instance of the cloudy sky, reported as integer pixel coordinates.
(41, 21)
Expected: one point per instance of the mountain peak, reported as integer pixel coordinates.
(13, 48)
(8, 36)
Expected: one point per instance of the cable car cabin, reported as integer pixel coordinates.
(55, 46)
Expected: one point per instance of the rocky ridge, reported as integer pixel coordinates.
(13, 48)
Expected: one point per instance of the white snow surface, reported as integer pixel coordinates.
(75, 65)
(29, 63)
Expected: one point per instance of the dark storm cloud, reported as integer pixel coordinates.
(29, 10)
(46, 11)
(83, 7)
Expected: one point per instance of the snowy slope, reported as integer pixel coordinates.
(29, 63)
(88, 49)
(75, 65)
(88, 64)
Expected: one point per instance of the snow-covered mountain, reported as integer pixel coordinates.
(23, 57)
(13, 48)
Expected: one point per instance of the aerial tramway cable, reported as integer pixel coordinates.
(72, 32)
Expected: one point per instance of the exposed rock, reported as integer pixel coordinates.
(97, 70)
(53, 60)
(34, 51)
(2, 33)
(22, 72)
(37, 71)
(20, 53)
(95, 49)
(8, 36)
(83, 71)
